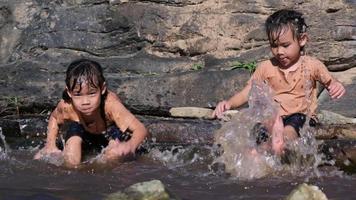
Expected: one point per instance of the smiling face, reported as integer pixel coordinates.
(286, 48)
(85, 98)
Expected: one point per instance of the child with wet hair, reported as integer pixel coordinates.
(292, 76)
(95, 117)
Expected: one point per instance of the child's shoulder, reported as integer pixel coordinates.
(112, 97)
(112, 100)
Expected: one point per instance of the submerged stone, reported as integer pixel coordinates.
(150, 190)
(306, 192)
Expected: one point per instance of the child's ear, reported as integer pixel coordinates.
(303, 39)
(103, 88)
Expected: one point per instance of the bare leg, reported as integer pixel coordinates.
(290, 134)
(73, 151)
(277, 136)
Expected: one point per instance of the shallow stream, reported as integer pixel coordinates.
(185, 171)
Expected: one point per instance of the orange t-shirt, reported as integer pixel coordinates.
(295, 91)
(115, 112)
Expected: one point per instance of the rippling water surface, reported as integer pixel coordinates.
(185, 171)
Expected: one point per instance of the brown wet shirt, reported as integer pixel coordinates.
(295, 91)
(115, 113)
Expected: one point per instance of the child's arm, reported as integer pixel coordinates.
(235, 101)
(139, 133)
(117, 149)
(241, 97)
(124, 120)
(52, 132)
(322, 74)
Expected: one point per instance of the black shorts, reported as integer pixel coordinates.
(296, 120)
(96, 141)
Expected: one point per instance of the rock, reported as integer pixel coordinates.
(327, 117)
(196, 112)
(306, 192)
(115, 2)
(150, 190)
(343, 105)
(191, 112)
(161, 39)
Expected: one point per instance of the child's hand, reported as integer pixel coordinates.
(221, 108)
(117, 149)
(336, 90)
(124, 148)
(46, 151)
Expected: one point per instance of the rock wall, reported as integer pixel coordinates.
(161, 53)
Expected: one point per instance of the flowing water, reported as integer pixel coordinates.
(185, 171)
(234, 168)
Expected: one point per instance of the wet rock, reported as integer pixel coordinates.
(334, 131)
(162, 130)
(10, 128)
(43, 88)
(150, 190)
(343, 105)
(191, 112)
(306, 192)
(39, 38)
(327, 117)
(197, 112)
(181, 131)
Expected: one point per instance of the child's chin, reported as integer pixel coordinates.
(86, 112)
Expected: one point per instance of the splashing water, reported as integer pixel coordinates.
(5, 149)
(241, 155)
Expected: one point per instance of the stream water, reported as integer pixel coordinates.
(189, 172)
(186, 171)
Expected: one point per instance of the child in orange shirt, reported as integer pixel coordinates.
(95, 115)
(291, 75)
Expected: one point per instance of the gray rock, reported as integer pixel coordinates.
(150, 190)
(306, 192)
(191, 112)
(328, 117)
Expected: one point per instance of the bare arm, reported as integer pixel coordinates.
(125, 120)
(335, 88)
(235, 101)
(139, 133)
(52, 132)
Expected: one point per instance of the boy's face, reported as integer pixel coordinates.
(86, 99)
(286, 49)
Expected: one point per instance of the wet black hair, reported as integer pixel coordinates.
(282, 19)
(83, 70)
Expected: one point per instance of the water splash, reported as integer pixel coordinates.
(56, 159)
(4, 151)
(176, 156)
(241, 155)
